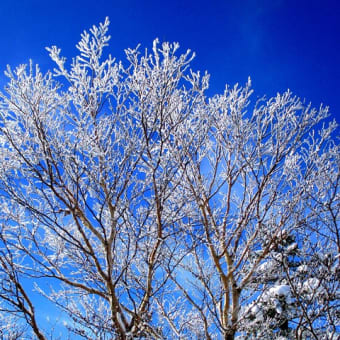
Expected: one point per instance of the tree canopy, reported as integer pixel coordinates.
(143, 208)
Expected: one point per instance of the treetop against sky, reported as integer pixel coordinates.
(279, 44)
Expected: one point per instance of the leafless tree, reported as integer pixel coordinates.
(144, 209)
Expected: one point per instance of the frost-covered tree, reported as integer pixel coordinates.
(142, 208)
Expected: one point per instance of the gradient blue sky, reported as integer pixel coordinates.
(279, 44)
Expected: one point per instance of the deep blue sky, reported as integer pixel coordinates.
(280, 44)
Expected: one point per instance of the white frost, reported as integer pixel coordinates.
(282, 290)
